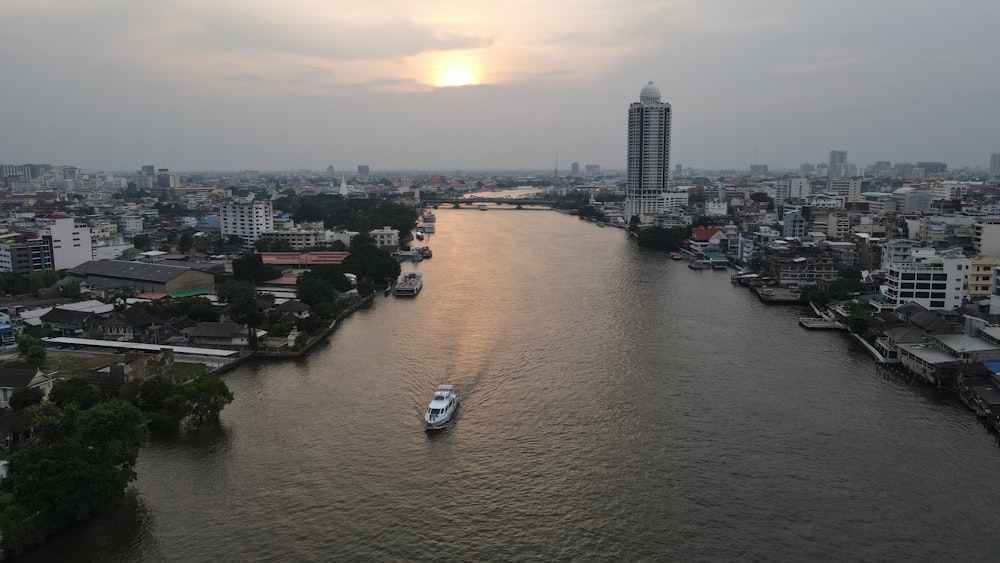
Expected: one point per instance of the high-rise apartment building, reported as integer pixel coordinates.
(648, 154)
(995, 164)
(246, 218)
(838, 164)
(23, 254)
(71, 243)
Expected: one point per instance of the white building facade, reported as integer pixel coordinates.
(648, 154)
(247, 218)
(71, 243)
(935, 282)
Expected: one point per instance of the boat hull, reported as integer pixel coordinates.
(441, 409)
(441, 421)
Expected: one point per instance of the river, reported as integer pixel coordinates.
(617, 406)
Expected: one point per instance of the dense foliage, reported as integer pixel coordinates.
(78, 464)
(24, 397)
(251, 268)
(31, 350)
(171, 405)
(198, 309)
(370, 262)
(18, 284)
(663, 239)
(361, 215)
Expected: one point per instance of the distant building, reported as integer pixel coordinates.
(385, 238)
(71, 243)
(838, 164)
(995, 164)
(592, 170)
(791, 188)
(931, 168)
(758, 169)
(574, 169)
(648, 154)
(850, 190)
(25, 253)
(363, 170)
(247, 218)
(138, 277)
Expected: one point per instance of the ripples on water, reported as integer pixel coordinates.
(616, 406)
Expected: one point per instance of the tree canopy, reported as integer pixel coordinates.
(663, 239)
(78, 464)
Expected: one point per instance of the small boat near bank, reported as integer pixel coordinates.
(409, 284)
(442, 407)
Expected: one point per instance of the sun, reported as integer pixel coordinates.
(456, 76)
(456, 70)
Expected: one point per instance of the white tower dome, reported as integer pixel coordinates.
(650, 94)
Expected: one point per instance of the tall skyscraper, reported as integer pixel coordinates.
(648, 154)
(838, 164)
(995, 164)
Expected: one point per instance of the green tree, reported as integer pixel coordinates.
(24, 397)
(78, 465)
(242, 296)
(76, 391)
(370, 261)
(252, 268)
(663, 239)
(36, 356)
(70, 290)
(31, 350)
(186, 241)
(142, 242)
(860, 320)
(25, 342)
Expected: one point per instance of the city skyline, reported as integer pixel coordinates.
(226, 85)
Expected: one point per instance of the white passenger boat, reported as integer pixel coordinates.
(409, 284)
(429, 217)
(442, 408)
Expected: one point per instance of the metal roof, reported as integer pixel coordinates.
(141, 347)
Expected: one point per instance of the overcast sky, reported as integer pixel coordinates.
(469, 84)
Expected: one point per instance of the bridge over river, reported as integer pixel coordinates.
(498, 201)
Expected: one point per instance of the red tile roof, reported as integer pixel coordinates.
(299, 259)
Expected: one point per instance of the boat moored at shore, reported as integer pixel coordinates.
(409, 284)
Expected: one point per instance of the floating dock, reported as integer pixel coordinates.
(819, 323)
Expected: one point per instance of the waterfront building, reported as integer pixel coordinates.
(305, 238)
(246, 218)
(385, 238)
(934, 281)
(648, 154)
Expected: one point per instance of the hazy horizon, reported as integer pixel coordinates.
(228, 85)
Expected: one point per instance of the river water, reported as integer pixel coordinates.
(617, 406)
